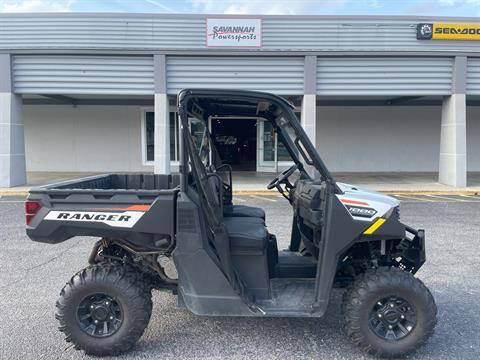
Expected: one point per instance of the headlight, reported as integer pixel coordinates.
(396, 212)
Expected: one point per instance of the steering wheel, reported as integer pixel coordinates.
(282, 178)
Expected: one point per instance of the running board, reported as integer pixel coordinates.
(290, 297)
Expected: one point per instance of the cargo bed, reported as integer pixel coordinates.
(139, 208)
(116, 182)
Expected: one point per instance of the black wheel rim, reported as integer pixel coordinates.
(99, 315)
(392, 318)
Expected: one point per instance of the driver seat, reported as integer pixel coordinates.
(243, 211)
(230, 210)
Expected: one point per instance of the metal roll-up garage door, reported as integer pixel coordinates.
(277, 75)
(473, 76)
(110, 75)
(384, 76)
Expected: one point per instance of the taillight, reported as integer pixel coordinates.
(31, 209)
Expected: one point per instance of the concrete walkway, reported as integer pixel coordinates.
(250, 182)
(384, 182)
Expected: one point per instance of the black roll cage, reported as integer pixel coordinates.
(279, 113)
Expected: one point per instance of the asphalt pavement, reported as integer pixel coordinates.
(33, 274)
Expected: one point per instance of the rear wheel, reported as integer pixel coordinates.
(104, 309)
(388, 312)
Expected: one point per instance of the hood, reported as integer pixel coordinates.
(381, 202)
(367, 194)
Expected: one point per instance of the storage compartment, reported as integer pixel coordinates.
(249, 244)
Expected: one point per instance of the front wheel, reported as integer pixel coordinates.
(388, 312)
(104, 309)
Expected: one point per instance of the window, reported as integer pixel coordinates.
(282, 152)
(197, 129)
(268, 141)
(174, 134)
(149, 136)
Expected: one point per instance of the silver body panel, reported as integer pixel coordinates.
(370, 199)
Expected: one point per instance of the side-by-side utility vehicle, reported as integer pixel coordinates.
(183, 234)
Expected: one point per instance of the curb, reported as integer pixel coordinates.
(13, 193)
(429, 192)
(387, 192)
(275, 193)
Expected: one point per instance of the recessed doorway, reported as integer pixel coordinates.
(236, 141)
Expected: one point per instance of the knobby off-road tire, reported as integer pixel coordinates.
(127, 313)
(388, 312)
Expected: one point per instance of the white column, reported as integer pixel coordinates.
(12, 142)
(453, 142)
(309, 116)
(161, 163)
(453, 134)
(309, 101)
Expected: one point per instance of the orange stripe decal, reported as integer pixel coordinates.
(138, 207)
(354, 202)
(128, 208)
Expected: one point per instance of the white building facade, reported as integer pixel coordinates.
(97, 92)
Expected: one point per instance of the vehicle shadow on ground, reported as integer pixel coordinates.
(175, 333)
(237, 337)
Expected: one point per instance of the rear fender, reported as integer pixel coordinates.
(145, 223)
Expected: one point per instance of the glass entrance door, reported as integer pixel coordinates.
(266, 147)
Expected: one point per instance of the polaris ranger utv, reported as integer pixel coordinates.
(183, 234)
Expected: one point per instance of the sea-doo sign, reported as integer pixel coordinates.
(438, 31)
(234, 33)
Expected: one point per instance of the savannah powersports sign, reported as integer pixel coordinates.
(234, 33)
(438, 31)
